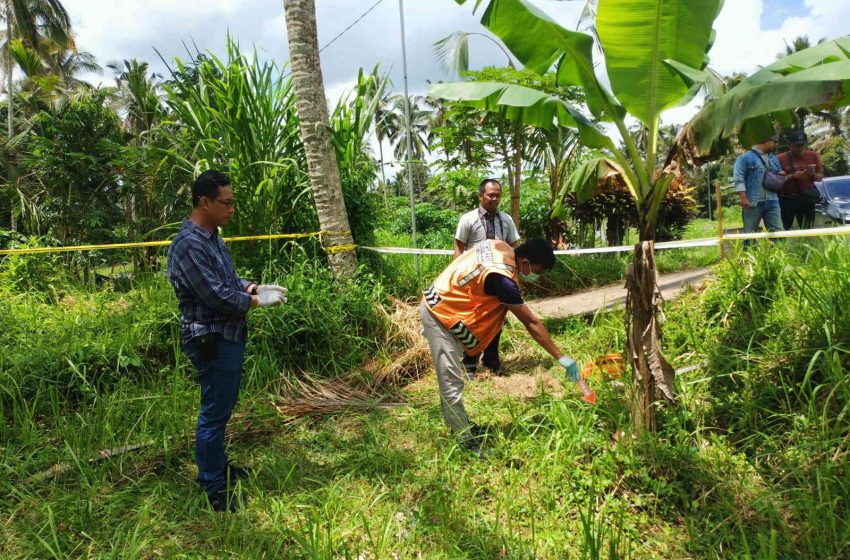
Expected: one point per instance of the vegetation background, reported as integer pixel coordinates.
(751, 463)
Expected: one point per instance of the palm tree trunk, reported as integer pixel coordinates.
(517, 176)
(10, 171)
(9, 97)
(312, 109)
(383, 175)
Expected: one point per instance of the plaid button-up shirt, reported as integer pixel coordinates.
(212, 298)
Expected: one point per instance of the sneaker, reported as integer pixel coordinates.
(224, 501)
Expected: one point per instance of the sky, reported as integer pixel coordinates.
(750, 33)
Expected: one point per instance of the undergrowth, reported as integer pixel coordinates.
(752, 463)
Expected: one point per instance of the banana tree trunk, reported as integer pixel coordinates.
(312, 108)
(652, 374)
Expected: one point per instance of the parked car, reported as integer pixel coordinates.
(835, 199)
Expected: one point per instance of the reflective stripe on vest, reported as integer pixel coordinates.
(457, 298)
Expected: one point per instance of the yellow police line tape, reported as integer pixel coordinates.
(704, 242)
(335, 249)
(331, 250)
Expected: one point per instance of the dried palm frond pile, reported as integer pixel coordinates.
(376, 385)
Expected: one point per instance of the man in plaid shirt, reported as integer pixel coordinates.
(213, 305)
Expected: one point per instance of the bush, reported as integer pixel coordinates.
(63, 350)
(435, 228)
(35, 272)
(834, 157)
(534, 211)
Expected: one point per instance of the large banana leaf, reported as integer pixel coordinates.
(814, 78)
(523, 105)
(639, 35)
(586, 181)
(538, 43)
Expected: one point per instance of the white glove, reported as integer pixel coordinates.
(263, 288)
(270, 297)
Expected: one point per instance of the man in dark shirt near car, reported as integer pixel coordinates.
(213, 304)
(799, 195)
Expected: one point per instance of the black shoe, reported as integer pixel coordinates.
(474, 441)
(470, 363)
(475, 446)
(495, 367)
(224, 501)
(238, 473)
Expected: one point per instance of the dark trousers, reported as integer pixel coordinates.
(797, 208)
(490, 356)
(220, 378)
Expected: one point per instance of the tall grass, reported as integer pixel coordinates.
(775, 333)
(237, 114)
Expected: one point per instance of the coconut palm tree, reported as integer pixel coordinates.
(68, 64)
(386, 123)
(420, 127)
(38, 24)
(33, 22)
(312, 108)
(137, 93)
(48, 84)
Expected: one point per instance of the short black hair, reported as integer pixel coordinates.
(207, 184)
(537, 251)
(797, 137)
(482, 186)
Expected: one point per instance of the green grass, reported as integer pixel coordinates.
(753, 462)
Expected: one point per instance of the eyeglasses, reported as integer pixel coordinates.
(225, 203)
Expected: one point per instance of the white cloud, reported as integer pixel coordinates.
(743, 46)
(119, 29)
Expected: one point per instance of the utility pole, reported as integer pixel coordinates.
(409, 140)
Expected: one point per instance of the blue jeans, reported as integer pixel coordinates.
(767, 210)
(219, 376)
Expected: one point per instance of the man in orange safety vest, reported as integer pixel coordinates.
(465, 308)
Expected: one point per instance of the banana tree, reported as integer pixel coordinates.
(646, 44)
(656, 58)
(815, 79)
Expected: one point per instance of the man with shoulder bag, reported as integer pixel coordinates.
(758, 177)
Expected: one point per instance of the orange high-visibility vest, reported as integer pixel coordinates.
(457, 299)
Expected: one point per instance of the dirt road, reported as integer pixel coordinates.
(607, 297)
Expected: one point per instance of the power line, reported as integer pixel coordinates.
(344, 31)
(352, 24)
